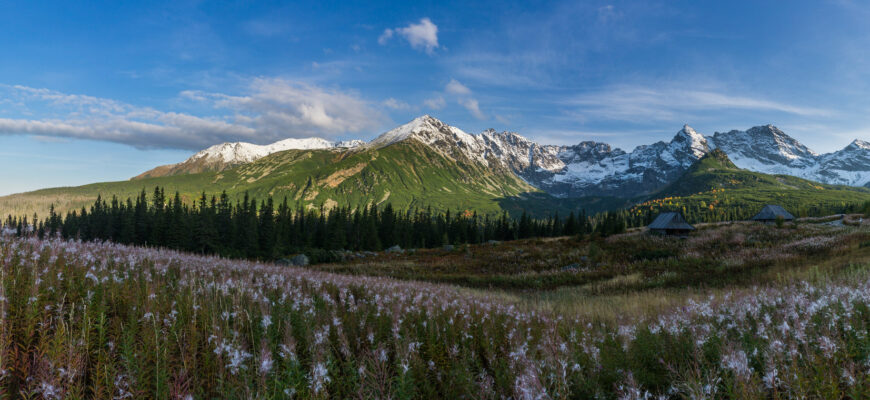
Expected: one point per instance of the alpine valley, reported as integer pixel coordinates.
(427, 163)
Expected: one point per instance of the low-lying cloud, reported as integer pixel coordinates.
(270, 109)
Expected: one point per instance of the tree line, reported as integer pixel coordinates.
(266, 230)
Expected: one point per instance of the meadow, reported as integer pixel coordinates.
(100, 320)
(718, 254)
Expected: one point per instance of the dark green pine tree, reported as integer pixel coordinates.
(267, 232)
(387, 227)
(370, 238)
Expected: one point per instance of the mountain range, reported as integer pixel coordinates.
(428, 163)
(581, 170)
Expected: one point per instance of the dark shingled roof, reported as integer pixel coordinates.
(671, 220)
(771, 212)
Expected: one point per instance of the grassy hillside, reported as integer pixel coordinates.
(410, 174)
(715, 188)
(406, 174)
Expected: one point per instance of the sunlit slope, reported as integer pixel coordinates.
(715, 184)
(406, 174)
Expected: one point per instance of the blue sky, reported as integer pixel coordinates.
(105, 90)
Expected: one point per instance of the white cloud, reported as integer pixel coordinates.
(435, 103)
(270, 110)
(473, 107)
(396, 104)
(280, 108)
(385, 37)
(464, 98)
(421, 36)
(454, 87)
(641, 103)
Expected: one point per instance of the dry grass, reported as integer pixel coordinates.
(717, 255)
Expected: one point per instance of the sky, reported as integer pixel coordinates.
(106, 90)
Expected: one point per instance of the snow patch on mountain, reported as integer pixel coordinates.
(242, 152)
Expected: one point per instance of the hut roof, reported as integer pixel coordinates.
(771, 212)
(671, 220)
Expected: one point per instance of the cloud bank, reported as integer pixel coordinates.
(270, 109)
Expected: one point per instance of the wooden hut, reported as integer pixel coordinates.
(770, 213)
(670, 224)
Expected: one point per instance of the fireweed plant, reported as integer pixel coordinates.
(101, 320)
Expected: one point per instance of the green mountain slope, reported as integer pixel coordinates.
(714, 185)
(407, 174)
(410, 174)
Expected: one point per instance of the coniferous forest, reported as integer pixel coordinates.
(267, 230)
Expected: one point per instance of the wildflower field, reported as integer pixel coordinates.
(99, 320)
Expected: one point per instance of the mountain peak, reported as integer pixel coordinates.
(765, 147)
(860, 144)
(421, 123)
(768, 129)
(691, 140)
(788, 146)
(689, 131)
(771, 131)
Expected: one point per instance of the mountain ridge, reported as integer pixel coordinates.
(222, 156)
(443, 168)
(588, 168)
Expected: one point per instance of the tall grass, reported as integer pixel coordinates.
(84, 320)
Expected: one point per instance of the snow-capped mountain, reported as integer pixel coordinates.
(585, 169)
(769, 150)
(848, 166)
(242, 152)
(765, 149)
(617, 173)
(588, 168)
(491, 148)
(226, 155)
(591, 168)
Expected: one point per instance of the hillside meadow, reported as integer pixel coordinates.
(784, 314)
(716, 255)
